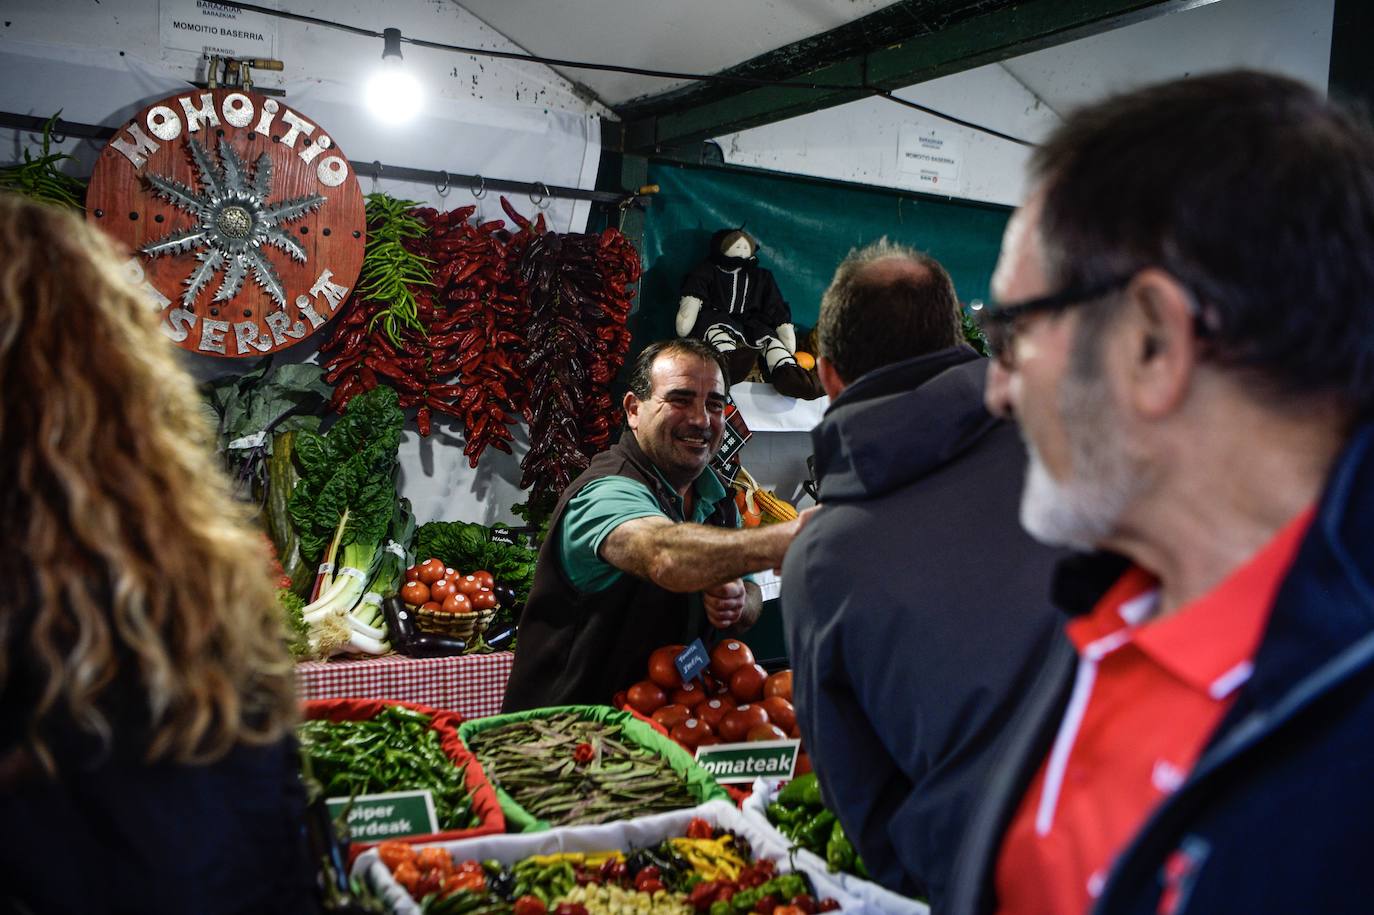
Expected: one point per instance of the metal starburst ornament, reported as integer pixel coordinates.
(233, 223)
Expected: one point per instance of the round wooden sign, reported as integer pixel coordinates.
(246, 221)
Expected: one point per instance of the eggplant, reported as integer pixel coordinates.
(424, 645)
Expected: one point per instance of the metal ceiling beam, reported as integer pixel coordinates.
(901, 45)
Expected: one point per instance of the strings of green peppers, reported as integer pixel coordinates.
(40, 179)
(390, 270)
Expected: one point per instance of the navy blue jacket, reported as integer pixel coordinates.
(1278, 814)
(916, 609)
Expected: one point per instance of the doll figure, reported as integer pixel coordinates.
(735, 305)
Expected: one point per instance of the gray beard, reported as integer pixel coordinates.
(1083, 512)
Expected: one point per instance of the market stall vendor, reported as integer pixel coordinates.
(643, 548)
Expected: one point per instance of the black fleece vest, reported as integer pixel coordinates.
(579, 648)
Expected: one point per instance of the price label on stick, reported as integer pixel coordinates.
(692, 661)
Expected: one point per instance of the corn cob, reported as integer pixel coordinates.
(769, 505)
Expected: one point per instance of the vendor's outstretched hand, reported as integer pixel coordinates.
(725, 603)
(794, 528)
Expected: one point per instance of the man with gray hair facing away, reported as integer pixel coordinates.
(916, 609)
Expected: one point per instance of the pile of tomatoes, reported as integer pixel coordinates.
(431, 870)
(735, 700)
(429, 585)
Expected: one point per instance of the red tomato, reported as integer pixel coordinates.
(431, 570)
(483, 600)
(395, 853)
(670, 716)
(662, 670)
(431, 881)
(700, 829)
(766, 732)
(457, 603)
(441, 589)
(407, 875)
(483, 576)
(713, 711)
(691, 733)
(746, 683)
(780, 712)
(469, 585)
(803, 765)
(415, 593)
(735, 726)
(530, 905)
(779, 684)
(434, 858)
(432, 607)
(729, 656)
(646, 698)
(452, 574)
(413, 574)
(690, 695)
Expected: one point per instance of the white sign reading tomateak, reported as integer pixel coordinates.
(213, 28)
(931, 157)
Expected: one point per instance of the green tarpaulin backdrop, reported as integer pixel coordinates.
(805, 227)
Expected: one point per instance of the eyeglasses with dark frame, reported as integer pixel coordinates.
(998, 322)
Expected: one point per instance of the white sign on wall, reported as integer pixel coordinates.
(207, 27)
(932, 158)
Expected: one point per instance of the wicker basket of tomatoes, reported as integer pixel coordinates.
(448, 602)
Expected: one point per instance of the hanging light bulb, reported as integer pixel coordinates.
(393, 95)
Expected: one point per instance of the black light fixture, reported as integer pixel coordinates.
(391, 44)
(393, 94)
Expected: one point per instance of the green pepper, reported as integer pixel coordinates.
(721, 907)
(743, 901)
(839, 851)
(798, 790)
(815, 832)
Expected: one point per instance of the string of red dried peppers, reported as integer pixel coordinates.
(503, 324)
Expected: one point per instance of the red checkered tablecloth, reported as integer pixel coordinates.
(471, 685)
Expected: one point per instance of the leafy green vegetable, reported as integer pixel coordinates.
(350, 468)
(265, 399)
(468, 546)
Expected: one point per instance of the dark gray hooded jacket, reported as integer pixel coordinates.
(916, 609)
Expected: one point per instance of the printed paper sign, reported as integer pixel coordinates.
(212, 28)
(375, 817)
(738, 763)
(931, 157)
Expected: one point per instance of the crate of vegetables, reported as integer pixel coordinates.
(706, 859)
(357, 747)
(579, 764)
(796, 816)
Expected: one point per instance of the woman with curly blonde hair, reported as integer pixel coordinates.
(146, 696)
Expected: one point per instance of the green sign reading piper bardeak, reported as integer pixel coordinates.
(744, 762)
(375, 817)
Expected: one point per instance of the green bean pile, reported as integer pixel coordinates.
(395, 751)
(567, 769)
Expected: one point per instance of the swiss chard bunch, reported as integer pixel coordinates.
(348, 471)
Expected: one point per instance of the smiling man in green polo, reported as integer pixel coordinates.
(637, 537)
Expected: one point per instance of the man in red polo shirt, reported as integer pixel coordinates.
(1186, 337)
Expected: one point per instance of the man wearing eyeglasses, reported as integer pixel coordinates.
(917, 611)
(1187, 341)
